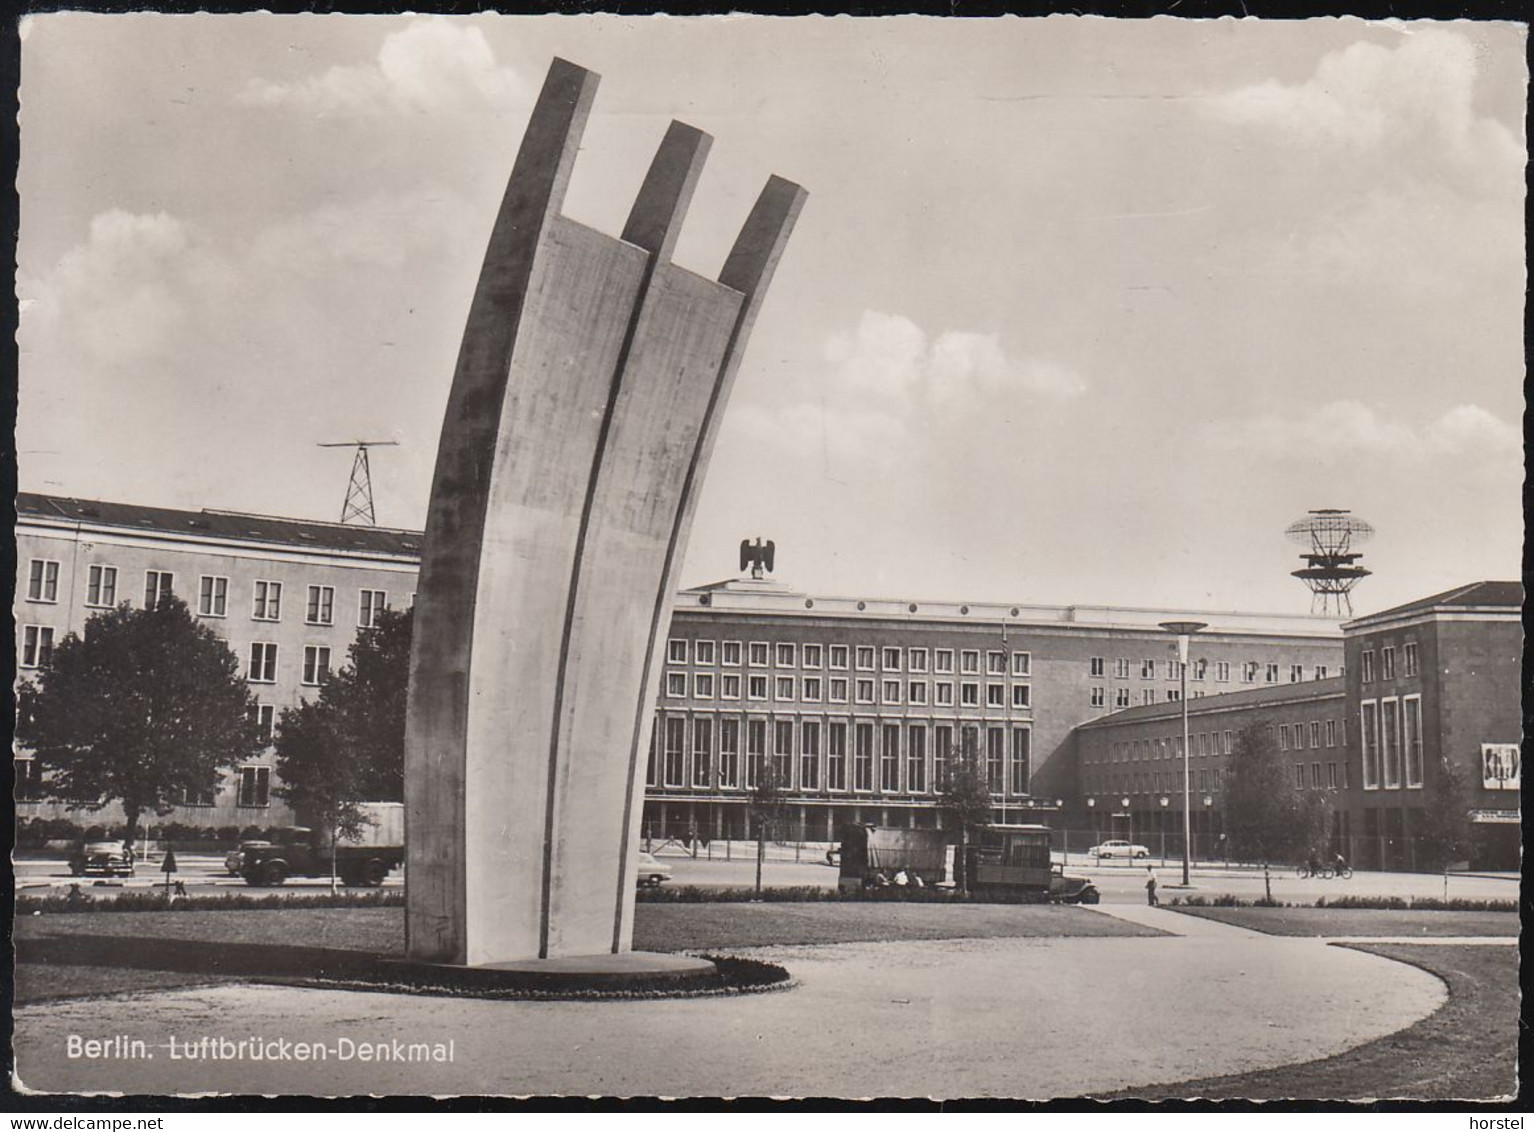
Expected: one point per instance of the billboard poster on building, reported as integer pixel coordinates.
(1499, 766)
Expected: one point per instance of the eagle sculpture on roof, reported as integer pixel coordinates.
(758, 557)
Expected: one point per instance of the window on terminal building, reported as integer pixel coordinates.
(1098, 667)
(916, 692)
(891, 691)
(1315, 775)
(1022, 695)
(891, 660)
(942, 661)
(1173, 695)
(36, 646)
(811, 656)
(316, 664)
(784, 692)
(675, 756)
(703, 751)
(1366, 666)
(1021, 759)
(676, 651)
(371, 603)
(729, 753)
(969, 662)
(756, 654)
(1099, 696)
(320, 609)
(1147, 695)
(942, 693)
(756, 688)
(863, 690)
(255, 787)
(1411, 731)
(1222, 672)
(101, 586)
(786, 652)
(703, 685)
(1368, 742)
(812, 689)
(1320, 672)
(863, 756)
(1200, 669)
(1296, 673)
(1409, 658)
(729, 686)
(916, 660)
(995, 664)
(158, 585)
(43, 580)
(703, 652)
(1121, 698)
(836, 755)
(865, 658)
(1271, 674)
(263, 662)
(1022, 664)
(969, 694)
(838, 657)
(267, 603)
(1331, 732)
(263, 716)
(1147, 670)
(889, 759)
(837, 690)
(28, 773)
(809, 755)
(783, 752)
(1388, 663)
(996, 695)
(729, 654)
(1299, 776)
(1331, 776)
(1121, 667)
(676, 685)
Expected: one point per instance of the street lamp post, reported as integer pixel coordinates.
(1183, 630)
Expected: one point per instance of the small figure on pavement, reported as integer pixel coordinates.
(1150, 887)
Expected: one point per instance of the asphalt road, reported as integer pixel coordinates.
(1119, 883)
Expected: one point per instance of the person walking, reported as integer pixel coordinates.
(1150, 887)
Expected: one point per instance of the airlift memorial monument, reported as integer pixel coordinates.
(584, 407)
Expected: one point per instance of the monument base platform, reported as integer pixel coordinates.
(631, 972)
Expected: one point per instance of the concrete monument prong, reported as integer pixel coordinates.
(583, 411)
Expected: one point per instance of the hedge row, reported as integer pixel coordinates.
(1414, 904)
(34, 833)
(79, 899)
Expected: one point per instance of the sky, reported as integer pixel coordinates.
(1079, 310)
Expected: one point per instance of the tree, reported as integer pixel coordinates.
(146, 709)
(965, 798)
(767, 806)
(1444, 830)
(321, 777)
(1267, 818)
(348, 746)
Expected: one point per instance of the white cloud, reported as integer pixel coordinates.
(1367, 96)
(121, 293)
(1347, 429)
(433, 64)
(891, 358)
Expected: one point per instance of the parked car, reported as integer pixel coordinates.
(102, 858)
(1071, 890)
(652, 873)
(1118, 849)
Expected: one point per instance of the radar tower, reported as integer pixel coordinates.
(1331, 564)
(358, 507)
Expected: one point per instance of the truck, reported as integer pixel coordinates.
(362, 861)
(1004, 862)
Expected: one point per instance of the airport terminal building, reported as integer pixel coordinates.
(859, 703)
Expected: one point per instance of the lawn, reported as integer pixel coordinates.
(1400, 922)
(1468, 1048)
(112, 952)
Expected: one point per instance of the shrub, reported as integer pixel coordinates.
(79, 899)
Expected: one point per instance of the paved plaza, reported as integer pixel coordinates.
(1026, 1018)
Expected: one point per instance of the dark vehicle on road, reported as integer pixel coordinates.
(365, 861)
(102, 858)
(1006, 862)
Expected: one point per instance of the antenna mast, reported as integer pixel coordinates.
(359, 492)
(1331, 564)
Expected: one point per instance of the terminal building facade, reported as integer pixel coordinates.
(858, 704)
